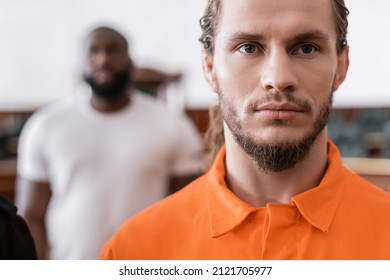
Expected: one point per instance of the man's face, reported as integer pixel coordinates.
(107, 64)
(275, 66)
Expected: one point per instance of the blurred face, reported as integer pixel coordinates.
(275, 67)
(107, 64)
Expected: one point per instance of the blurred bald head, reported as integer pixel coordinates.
(107, 63)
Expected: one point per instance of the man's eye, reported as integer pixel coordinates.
(248, 48)
(306, 49)
(92, 50)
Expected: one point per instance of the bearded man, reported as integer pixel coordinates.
(277, 188)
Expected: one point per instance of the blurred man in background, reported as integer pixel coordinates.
(86, 165)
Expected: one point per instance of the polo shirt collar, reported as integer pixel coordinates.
(226, 210)
(317, 205)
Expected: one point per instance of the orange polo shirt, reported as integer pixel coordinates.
(344, 217)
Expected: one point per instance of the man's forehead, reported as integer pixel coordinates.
(252, 16)
(273, 6)
(105, 37)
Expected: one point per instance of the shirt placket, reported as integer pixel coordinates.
(279, 236)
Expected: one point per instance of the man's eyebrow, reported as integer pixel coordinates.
(310, 35)
(245, 36)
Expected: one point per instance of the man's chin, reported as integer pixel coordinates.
(275, 155)
(104, 86)
(278, 140)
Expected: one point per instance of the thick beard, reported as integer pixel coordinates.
(111, 91)
(273, 158)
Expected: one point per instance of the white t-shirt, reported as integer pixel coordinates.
(103, 167)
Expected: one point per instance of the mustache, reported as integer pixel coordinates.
(278, 97)
(103, 68)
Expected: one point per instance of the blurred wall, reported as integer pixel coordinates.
(41, 41)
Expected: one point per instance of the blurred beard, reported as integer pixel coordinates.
(113, 90)
(273, 158)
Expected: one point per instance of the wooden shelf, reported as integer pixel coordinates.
(7, 178)
(368, 166)
(377, 171)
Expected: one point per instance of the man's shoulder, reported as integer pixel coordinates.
(148, 102)
(64, 107)
(182, 203)
(48, 117)
(366, 191)
(176, 212)
(152, 233)
(155, 107)
(157, 111)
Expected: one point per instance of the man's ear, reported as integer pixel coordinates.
(342, 68)
(209, 72)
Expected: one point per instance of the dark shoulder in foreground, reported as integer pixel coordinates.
(16, 242)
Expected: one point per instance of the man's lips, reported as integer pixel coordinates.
(103, 76)
(279, 111)
(279, 107)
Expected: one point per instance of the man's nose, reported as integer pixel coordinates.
(101, 59)
(278, 72)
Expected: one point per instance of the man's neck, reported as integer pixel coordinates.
(258, 188)
(108, 106)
